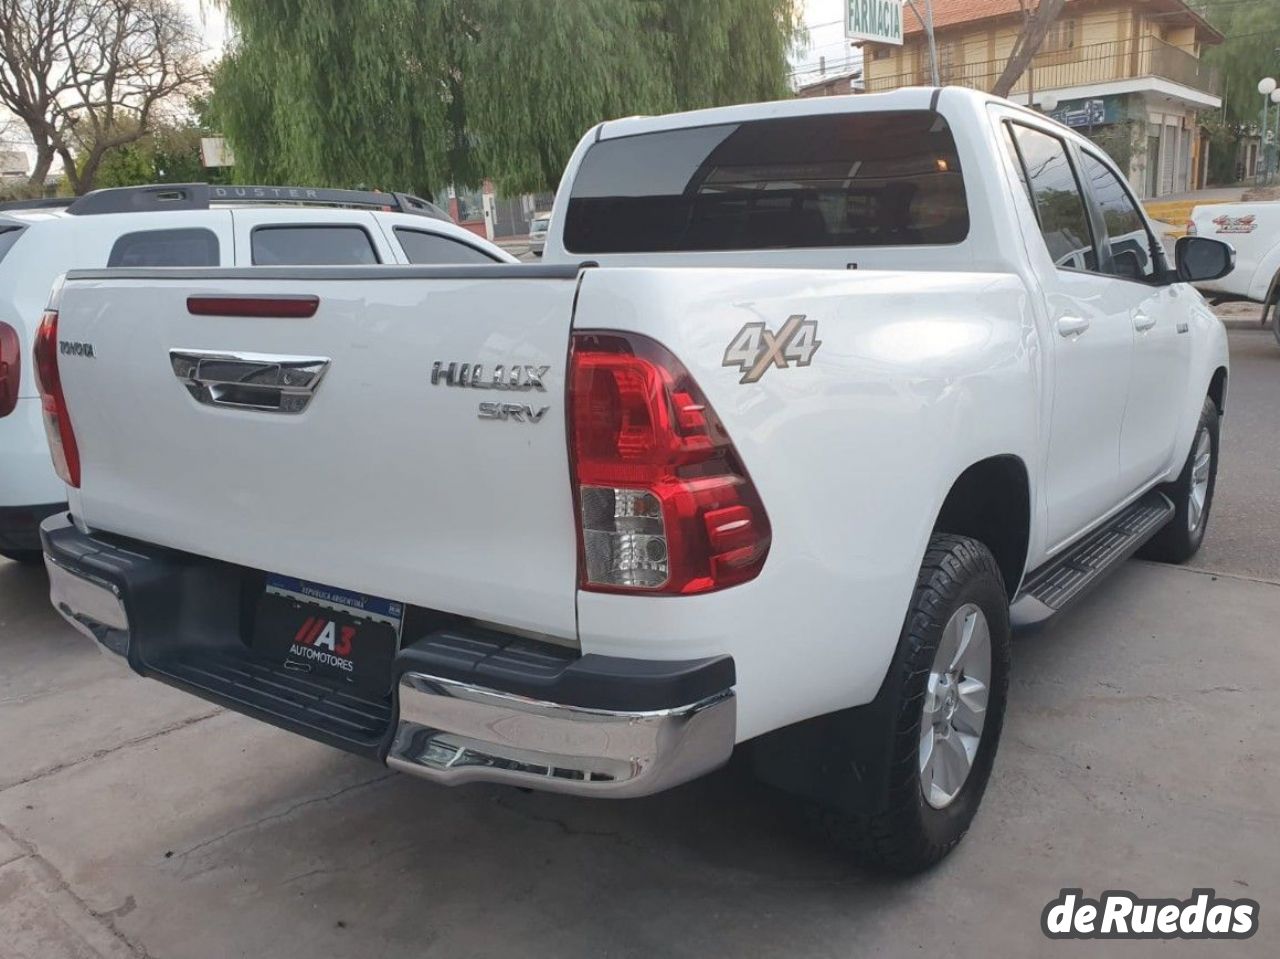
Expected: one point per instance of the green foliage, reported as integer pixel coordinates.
(126, 166)
(1252, 30)
(417, 94)
(169, 154)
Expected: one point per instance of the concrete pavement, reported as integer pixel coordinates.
(1139, 753)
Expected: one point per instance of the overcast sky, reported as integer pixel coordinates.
(208, 17)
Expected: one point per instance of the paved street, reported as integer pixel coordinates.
(1139, 753)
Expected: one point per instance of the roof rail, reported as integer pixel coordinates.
(199, 196)
(43, 203)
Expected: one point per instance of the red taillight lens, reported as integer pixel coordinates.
(57, 423)
(1191, 228)
(10, 368)
(664, 504)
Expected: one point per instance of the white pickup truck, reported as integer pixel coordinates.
(1253, 230)
(809, 404)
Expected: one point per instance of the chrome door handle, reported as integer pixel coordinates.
(249, 381)
(1072, 325)
(1143, 322)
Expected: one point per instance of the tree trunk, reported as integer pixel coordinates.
(44, 161)
(1027, 45)
(74, 178)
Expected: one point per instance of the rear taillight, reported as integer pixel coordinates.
(664, 504)
(57, 423)
(1191, 228)
(10, 368)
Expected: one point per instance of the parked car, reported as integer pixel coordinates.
(1254, 230)
(538, 232)
(176, 225)
(797, 420)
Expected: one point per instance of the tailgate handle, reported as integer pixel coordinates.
(249, 381)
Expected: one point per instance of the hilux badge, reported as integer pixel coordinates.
(756, 348)
(499, 377)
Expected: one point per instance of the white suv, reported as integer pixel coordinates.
(176, 225)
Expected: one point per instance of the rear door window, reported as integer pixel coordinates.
(1047, 174)
(425, 248)
(165, 248)
(327, 245)
(844, 180)
(8, 237)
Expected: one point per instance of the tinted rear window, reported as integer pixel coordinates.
(873, 179)
(421, 247)
(8, 237)
(312, 246)
(165, 248)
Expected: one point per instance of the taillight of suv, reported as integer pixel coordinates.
(664, 504)
(10, 368)
(57, 422)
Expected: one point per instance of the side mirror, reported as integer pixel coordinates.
(1200, 258)
(1128, 263)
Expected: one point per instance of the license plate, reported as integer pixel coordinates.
(329, 633)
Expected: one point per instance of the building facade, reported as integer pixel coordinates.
(1126, 73)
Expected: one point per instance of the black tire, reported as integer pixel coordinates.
(1181, 537)
(27, 557)
(910, 834)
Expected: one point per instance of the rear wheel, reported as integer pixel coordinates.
(953, 670)
(1192, 495)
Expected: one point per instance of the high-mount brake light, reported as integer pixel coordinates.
(57, 422)
(10, 368)
(286, 306)
(664, 503)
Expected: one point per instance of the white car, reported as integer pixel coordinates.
(176, 225)
(796, 421)
(538, 232)
(1253, 229)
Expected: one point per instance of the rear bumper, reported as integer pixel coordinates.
(466, 704)
(453, 732)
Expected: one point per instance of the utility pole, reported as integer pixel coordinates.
(1266, 86)
(927, 20)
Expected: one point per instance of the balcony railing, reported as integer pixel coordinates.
(1075, 66)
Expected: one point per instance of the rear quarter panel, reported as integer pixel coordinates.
(917, 376)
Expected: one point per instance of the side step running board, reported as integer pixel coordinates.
(1064, 579)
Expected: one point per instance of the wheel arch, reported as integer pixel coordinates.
(1218, 389)
(991, 502)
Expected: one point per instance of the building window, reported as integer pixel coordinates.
(1061, 36)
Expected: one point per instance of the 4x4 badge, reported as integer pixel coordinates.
(755, 348)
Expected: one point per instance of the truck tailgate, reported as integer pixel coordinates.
(381, 480)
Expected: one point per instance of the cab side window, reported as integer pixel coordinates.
(1131, 243)
(327, 245)
(425, 248)
(165, 248)
(1047, 175)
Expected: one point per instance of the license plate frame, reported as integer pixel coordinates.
(338, 635)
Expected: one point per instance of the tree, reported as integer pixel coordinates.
(90, 76)
(1035, 27)
(1246, 56)
(417, 94)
